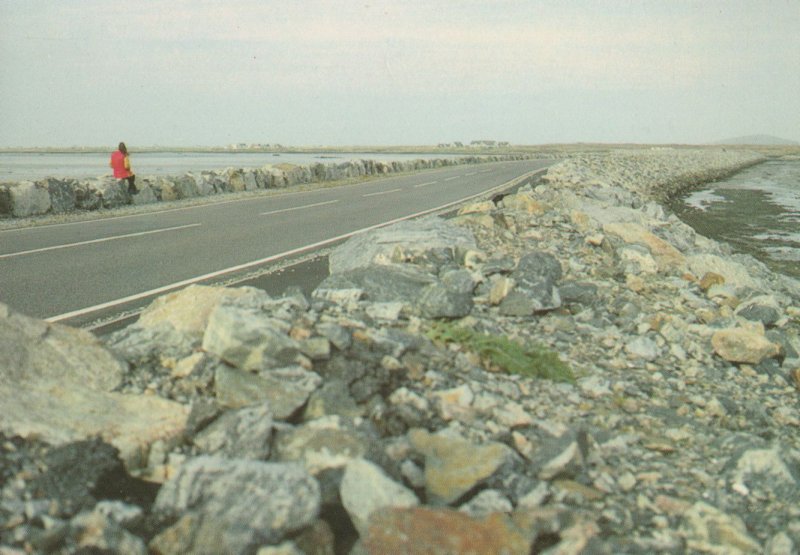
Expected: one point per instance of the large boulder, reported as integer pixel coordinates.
(56, 382)
(429, 240)
(62, 194)
(27, 198)
(234, 505)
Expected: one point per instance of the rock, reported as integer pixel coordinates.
(54, 384)
(487, 502)
(441, 531)
(247, 338)
(437, 301)
(188, 310)
(321, 444)
(379, 284)
(764, 472)
(234, 506)
(96, 532)
(764, 309)
(332, 398)
(667, 257)
(742, 345)
(499, 288)
(285, 389)
(366, 488)
(415, 241)
(27, 198)
(245, 434)
(643, 347)
(453, 466)
(535, 277)
(523, 202)
(62, 194)
(732, 272)
(79, 473)
(709, 530)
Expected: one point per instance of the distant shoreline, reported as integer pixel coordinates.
(768, 150)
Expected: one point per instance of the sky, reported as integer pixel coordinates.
(388, 72)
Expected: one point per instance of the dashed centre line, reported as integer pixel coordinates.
(425, 184)
(300, 207)
(381, 193)
(92, 241)
(452, 178)
(470, 173)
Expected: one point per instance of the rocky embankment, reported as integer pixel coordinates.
(58, 196)
(567, 369)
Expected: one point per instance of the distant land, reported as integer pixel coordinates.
(766, 140)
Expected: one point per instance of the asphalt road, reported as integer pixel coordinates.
(89, 271)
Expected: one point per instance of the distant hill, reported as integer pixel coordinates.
(766, 140)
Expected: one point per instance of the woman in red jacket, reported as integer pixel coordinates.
(121, 164)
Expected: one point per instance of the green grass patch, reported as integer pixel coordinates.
(531, 360)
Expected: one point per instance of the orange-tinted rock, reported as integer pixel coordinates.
(442, 531)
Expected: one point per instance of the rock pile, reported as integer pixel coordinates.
(58, 196)
(399, 409)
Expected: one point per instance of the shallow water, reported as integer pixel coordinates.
(32, 166)
(757, 211)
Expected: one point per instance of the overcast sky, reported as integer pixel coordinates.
(389, 72)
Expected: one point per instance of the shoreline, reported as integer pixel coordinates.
(378, 404)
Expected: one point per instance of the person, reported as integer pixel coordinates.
(121, 164)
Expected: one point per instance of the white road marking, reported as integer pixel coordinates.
(300, 207)
(274, 257)
(485, 171)
(92, 241)
(381, 193)
(426, 184)
(470, 173)
(452, 178)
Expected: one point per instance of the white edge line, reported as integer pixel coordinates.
(274, 257)
(93, 241)
(381, 193)
(299, 207)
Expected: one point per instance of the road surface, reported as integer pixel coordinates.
(82, 271)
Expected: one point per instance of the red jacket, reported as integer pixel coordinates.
(120, 164)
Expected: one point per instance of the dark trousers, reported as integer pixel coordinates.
(131, 184)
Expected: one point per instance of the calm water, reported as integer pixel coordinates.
(757, 211)
(32, 166)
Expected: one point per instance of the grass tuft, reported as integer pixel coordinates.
(531, 360)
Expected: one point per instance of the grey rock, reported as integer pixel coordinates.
(95, 531)
(643, 347)
(366, 488)
(248, 339)
(338, 335)
(487, 502)
(244, 433)
(381, 283)
(27, 198)
(242, 504)
(285, 389)
(62, 194)
(407, 241)
(438, 301)
(459, 281)
(764, 309)
(331, 399)
(574, 292)
(325, 443)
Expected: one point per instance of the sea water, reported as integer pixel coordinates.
(16, 166)
(757, 211)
